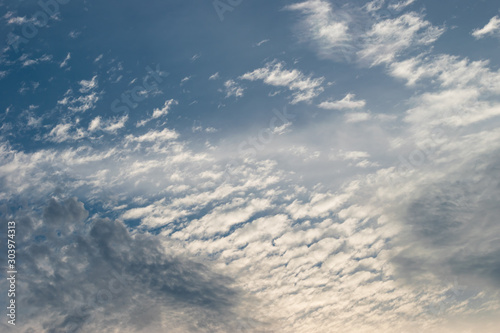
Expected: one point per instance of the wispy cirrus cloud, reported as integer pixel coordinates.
(492, 28)
(398, 6)
(304, 88)
(327, 28)
(387, 39)
(87, 99)
(88, 85)
(64, 63)
(347, 103)
(345, 34)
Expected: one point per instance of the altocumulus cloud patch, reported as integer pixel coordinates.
(309, 166)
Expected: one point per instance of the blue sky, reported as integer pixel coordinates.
(261, 166)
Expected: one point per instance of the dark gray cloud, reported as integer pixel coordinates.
(452, 229)
(87, 276)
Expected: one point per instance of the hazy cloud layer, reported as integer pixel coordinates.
(339, 175)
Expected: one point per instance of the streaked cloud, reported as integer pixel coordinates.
(492, 28)
(275, 74)
(389, 38)
(348, 102)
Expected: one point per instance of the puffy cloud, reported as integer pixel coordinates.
(332, 256)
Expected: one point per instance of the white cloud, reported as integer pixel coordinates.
(339, 254)
(356, 117)
(17, 20)
(493, 27)
(65, 61)
(88, 85)
(31, 62)
(214, 76)
(348, 102)
(157, 113)
(449, 70)
(374, 5)
(74, 34)
(99, 57)
(60, 132)
(114, 125)
(154, 136)
(222, 218)
(324, 253)
(387, 39)
(280, 130)
(328, 29)
(262, 42)
(274, 74)
(398, 6)
(95, 124)
(63, 132)
(350, 155)
(233, 89)
(461, 94)
(81, 103)
(345, 34)
(197, 127)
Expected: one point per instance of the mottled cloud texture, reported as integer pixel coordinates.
(340, 175)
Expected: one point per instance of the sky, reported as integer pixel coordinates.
(251, 166)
